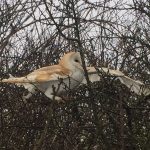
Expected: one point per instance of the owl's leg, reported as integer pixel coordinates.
(53, 97)
(30, 93)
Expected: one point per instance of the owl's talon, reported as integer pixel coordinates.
(60, 101)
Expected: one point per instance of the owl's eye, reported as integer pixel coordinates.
(76, 60)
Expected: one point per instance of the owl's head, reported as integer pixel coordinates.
(71, 60)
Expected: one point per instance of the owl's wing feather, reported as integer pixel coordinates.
(42, 75)
(136, 86)
(94, 75)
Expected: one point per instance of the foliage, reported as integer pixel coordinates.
(99, 116)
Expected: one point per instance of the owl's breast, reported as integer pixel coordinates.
(71, 81)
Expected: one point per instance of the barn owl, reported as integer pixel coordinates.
(53, 80)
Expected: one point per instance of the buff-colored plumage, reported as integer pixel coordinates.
(53, 80)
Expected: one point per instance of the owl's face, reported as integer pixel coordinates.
(75, 60)
(72, 61)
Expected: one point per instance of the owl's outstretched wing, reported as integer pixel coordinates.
(134, 85)
(45, 74)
